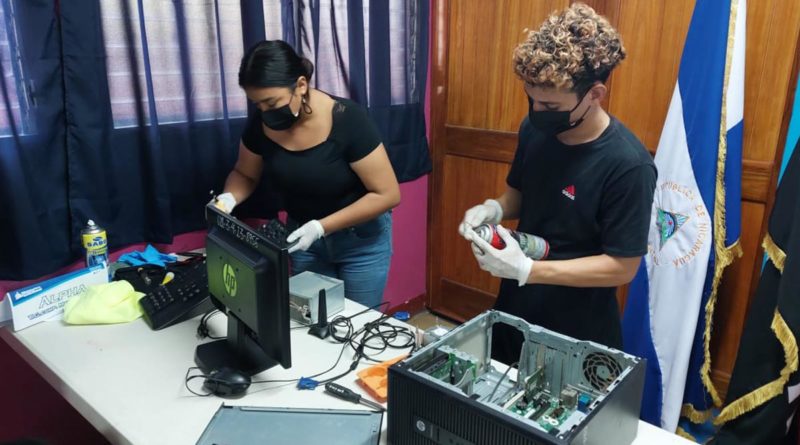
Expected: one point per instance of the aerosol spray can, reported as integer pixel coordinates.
(93, 239)
(534, 247)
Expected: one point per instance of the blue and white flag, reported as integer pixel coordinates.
(695, 218)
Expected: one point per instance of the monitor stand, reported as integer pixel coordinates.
(237, 351)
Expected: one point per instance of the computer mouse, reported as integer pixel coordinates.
(227, 382)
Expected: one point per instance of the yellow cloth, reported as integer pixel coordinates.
(115, 302)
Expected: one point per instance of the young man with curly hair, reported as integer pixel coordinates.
(579, 179)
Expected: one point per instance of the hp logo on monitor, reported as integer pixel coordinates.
(229, 278)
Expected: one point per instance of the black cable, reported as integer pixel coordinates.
(378, 330)
(186, 380)
(202, 328)
(369, 332)
(341, 352)
(501, 380)
(347, 325)
(353, 365)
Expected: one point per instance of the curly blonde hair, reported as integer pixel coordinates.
(572, 50)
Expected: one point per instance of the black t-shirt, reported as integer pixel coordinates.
(318, 181)
(585, 200)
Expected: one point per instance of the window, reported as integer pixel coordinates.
(148, 38)
(16, 108)
(332, 61)
(273, 21)
(148, 60)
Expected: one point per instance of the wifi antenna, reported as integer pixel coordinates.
(322, 329)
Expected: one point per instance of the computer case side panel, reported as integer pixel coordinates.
(421, 414)
(563, 391)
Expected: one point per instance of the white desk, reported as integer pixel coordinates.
(128, 380)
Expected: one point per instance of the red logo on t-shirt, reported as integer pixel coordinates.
(569, 192)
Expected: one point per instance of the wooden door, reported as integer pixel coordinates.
(477, 104)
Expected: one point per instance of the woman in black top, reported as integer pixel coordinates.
(325, 157)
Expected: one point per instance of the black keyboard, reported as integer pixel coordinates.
(183, 298)
(276, 232)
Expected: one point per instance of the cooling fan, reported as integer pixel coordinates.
(600, 370)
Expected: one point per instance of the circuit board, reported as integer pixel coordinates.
(548, 413)
(456, 369)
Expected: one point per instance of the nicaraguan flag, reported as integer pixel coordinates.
(695, 219)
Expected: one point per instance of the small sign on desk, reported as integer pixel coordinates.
(45, 301)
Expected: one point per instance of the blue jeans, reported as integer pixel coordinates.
(358, 255)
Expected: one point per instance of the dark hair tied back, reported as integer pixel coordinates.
(273, 63)
(309, 68)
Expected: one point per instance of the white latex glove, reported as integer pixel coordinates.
(225, 202)
(488, 212)
(508, 262)
(306, 235)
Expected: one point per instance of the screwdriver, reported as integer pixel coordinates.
(346, 394)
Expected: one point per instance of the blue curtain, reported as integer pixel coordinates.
(127, 112)
(35, 231)
(376, 53)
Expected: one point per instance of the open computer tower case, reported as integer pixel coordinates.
(563, 391)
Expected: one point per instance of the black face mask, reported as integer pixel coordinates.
(554, 122)
(280, 119)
